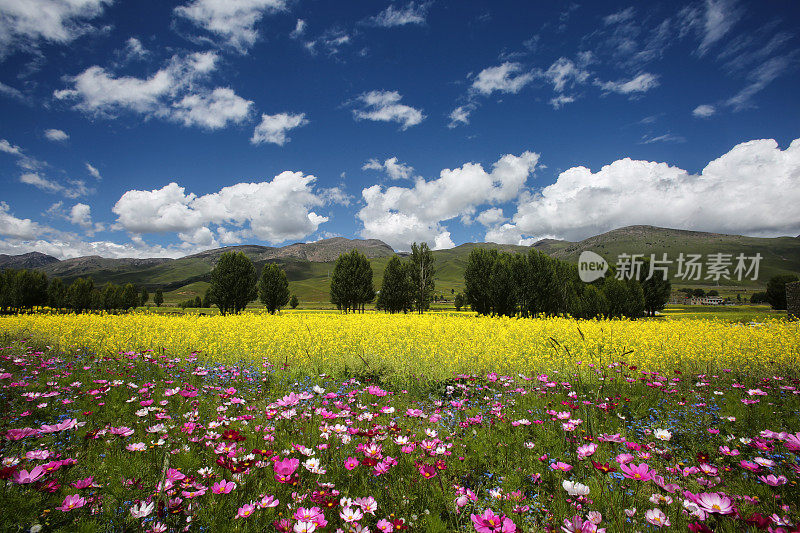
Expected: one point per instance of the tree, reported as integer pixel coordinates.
(273, 287)
(207, 300)
(130, 296)
(294, 302)
(233, 282)
(111, 297)
(158, 299)
(56, 294)
(351, 282)
(656, 289)
(712, 292)
(502, 287)
(593, 302)
(422, 271)
(144, 297)
(458, 301)
(396, 293)
(477, 279)
(698, 293)
(776, 290)
(79, 294)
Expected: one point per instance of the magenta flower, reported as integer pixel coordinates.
(586, 450)
(268, 501)
(714, 503)
(774, 481)
(558, 465)
(657, 518)
(284, 469)
(223, 487)
(23, 476)
(245, 510)
(73, 501)
(351, 463)
(639, 472)
(488, 522)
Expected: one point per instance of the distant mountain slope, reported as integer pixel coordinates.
(309, 265)
(31, 260)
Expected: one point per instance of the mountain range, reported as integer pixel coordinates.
(308, 265)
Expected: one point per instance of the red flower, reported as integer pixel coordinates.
(603, 467)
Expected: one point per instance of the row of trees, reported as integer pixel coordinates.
(407, 285)
(25, 289)
(234, 284)
(534, 284)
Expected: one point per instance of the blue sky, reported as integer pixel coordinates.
(156, 128)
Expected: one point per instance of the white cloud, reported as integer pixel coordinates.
(93, 171)
(24, 23)
(391, 17)
(561, 100)
(564, 73)
(395, 169)
(17, 228)
(666, 137)
(67, 245)
(400, 215)
(76, 188)
(134, 50)
(502, 78)
(720, 16)
(171, 93)
(9, 148)
(213, 110)
(273, 211)
(620, 16)
(704, 111)
(491, 217)
(751, 190)
(56, 135)
(7, 90)
(760, 77)
(639, 84)
(460, 115)
(81, 214)
(273, 128)
(299, 29)
(385, 106)
(331, 41)
(232, 20)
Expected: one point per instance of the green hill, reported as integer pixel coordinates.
(308, 265)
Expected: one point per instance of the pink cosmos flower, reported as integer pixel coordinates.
(714, 503)
(657, 518)
(774, 481)
(586, 450)
(351, 514)
(268, 501)
(73, 501)
(384, 526)
(488, 522)
(245, 510)
(142, 509)
(558, 465)
(793, 442)
(313, 515)
(351, 463)
(284, 469)
(61, 426)
(639, 472)
(23, 476)
(223, 487)
(749, 465)
(21, 433)
(83, 483)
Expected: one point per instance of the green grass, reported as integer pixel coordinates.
(736, 313)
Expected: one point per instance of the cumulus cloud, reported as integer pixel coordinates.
(9, 148)
(273, 128)
(273, 211)
(639, 84)
(505, 78)
(751, 190)
(233, 21)
(385, 106)
(402, 215)
(17, 228)
(172, 93)
(393, 168)
(410, 14)
(460, 115)
(24, 23)
(56, 135)
(491, 217)
(565, 73)
(704, 111)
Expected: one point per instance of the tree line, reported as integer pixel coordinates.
(535, 284)
(24, 290)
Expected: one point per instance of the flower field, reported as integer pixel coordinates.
(323, 422)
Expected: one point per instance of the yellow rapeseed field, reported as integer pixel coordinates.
(434, 345)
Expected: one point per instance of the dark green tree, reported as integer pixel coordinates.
(502, 286)
(656, 289)
(458, 301)
(273, 287)
(776, 290)
(477, 279)
(351, 282)
(294, 302)
(207, 300)
(112, 297)
(130, 296)
(144, 297)
(79, 295)
(158, 299)
(56, 294)
(233, 282)
(593, 302)
(396, 292)
(422, 272)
